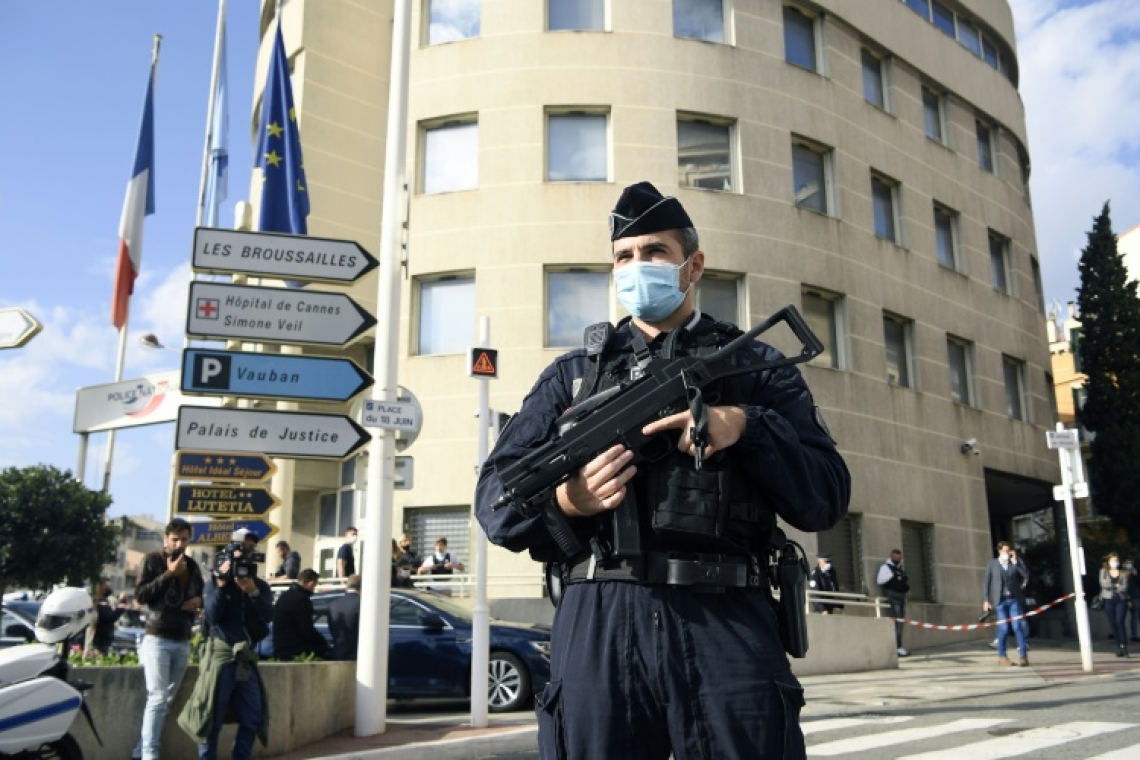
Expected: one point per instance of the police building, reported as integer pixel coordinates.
(864, 161)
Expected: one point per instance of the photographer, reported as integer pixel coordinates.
(239, 606)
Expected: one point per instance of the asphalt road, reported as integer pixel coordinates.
(1094, 719)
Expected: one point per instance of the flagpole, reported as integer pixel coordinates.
(210, 116)
(127, 315)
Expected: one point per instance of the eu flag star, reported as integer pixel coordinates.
(300, 187)
(292, 114)
(272, 158)
(275, 129)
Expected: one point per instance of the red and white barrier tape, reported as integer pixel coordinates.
(976, 626)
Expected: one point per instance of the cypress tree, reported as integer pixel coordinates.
(1109, 351)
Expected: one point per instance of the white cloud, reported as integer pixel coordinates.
(1080, 81)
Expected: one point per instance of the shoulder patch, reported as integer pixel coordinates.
(817, 416)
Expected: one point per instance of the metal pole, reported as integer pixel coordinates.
(219, 42)
(81, 468)
(110, 453)
(372, 659)
(480, 617)
(1084, 636)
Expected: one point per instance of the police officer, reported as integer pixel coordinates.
(824, 578)
(648, 656)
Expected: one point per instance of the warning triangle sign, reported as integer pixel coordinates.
(484, 362)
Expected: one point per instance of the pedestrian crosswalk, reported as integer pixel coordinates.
(977, 738)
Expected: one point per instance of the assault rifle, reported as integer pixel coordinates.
(618, 414)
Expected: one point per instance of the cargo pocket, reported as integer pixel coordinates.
(551, 732)
(793, 699)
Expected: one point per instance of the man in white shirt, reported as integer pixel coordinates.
(443, 562)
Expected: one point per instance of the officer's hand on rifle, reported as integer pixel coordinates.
(726, 425)
(598, 486)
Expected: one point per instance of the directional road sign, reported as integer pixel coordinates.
(290, 257)
(229, 467)
(212, 500)
(290, 435)
(286, 376)
(273, 315)
(17, 327)
(221, 531)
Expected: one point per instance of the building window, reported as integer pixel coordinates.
(932, 109)
(338, 508)
(874, 79)
(574, 299)
(943, 18)
(576, 15)
(699, 19)
(704, 153)
(1014, 373)
(918, 558)
(577, 147)
(1075, 348)
(961, 378)
(985, 146)
(450, 157)
(990, 53)
(1023, 165)
(897, 332)
(823, 311)
(800, 39)
(1051, 392)
(844, 542)
(810, 170)
(884, 198)
(426, 525)
(921, 7)
(1037, 287)
(970, 38)
(451, 20)
(999, 262)
(946, 236)
(719, 295)
(447, 315)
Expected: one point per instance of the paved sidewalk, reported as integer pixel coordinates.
(932, 675)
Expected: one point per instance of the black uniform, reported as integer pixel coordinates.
(824, 580)
(641, 667)
(294, 633)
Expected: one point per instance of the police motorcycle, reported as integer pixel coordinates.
(37, 702)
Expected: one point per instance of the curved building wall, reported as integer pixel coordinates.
(509, 227)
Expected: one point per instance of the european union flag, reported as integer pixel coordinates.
(284, 193)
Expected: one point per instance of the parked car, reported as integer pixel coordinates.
(19, 627)
(429, 651)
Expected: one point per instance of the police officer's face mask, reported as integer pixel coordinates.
(650, 290)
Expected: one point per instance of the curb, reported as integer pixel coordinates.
(461, 748)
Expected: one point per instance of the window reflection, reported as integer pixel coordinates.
(451, 20)
(451, 158)
(574, 300)
(447, 316)
(576, 148)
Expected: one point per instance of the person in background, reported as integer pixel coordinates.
(1114, 582)
(294, 633)
(824, 578)
(344, 620)
(1003, 590)
(443, 562)
(290, 561)
(108, 613)
(345, 559)
(1133, 598)
(893, 581)
(408, 564)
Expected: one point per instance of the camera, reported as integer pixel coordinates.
(243, 562)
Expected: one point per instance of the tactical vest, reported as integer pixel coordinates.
(898, 581)
(714, 510)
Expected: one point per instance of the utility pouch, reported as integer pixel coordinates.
(790, 570)
(689, 507)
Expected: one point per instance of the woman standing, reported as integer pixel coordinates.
(1114, 591)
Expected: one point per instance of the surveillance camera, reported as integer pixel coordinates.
(970, 447)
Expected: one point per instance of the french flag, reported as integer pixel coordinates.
(138, 205)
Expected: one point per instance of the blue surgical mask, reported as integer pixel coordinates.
(649, 290)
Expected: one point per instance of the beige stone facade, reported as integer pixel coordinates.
(513, 221)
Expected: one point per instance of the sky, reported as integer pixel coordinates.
(72, 81)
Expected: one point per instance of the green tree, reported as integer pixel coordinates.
(52, 529)
(1110, 356)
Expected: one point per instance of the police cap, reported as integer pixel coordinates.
(641, 209)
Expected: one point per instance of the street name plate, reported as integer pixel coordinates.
(1063, 439)
(271, 254)
(391, 415)
(273, 315)
(290, 435)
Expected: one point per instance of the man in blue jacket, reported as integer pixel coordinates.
(648, 659)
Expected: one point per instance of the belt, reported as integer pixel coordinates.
(715, 571)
